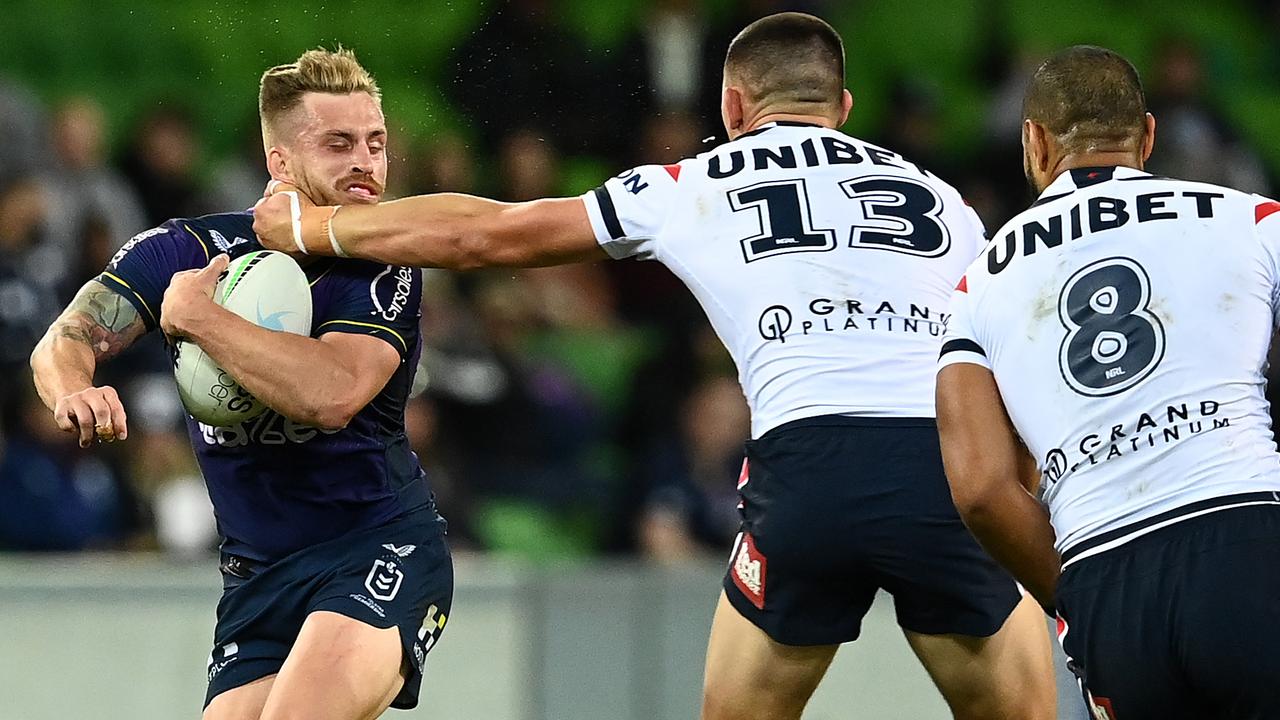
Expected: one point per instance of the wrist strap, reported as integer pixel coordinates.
(328, 228)
(295, 215)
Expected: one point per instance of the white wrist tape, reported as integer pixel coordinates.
(295, 214)
(333, 241)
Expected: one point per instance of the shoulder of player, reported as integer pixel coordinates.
(212, 233)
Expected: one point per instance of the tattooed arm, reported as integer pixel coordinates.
(97, 325)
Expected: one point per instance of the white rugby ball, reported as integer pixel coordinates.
(266, 288)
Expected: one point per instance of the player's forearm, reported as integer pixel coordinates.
(457, 232)
(97, 325)
(62, 363)
(1014, 529)
(297, 376)
(445, 231)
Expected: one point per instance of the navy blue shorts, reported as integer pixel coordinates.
(1182, 622)
(397, 575)
(835, 508)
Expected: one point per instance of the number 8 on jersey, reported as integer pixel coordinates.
(1113, 341)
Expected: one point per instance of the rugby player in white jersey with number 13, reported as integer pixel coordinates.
(825, 265)
(1119, 328)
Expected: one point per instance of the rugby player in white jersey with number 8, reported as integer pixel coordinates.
(825, 264)
(1118, 330)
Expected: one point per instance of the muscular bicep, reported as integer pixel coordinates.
(370, 359)
(101, 319)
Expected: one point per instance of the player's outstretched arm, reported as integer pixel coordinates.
(97, 325)
(321, 382)
(458, 232)
(987, 468)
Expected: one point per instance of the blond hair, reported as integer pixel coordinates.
(335, 72)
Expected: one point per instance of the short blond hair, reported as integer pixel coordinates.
(336, 72)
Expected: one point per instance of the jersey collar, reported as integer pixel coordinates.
(1078, 178)
(777, 123)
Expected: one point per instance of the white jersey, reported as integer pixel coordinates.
(824, 263)
(1127, 319)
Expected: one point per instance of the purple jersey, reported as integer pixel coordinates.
(278, 486)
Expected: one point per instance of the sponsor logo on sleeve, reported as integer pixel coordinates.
(399, 286)
(133, 242)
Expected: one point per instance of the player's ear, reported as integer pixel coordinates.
(1035, 144)
(1149, 138)
(731, 111)
(846, 105)
(278, 163)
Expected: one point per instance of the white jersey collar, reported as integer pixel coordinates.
(1077, 178)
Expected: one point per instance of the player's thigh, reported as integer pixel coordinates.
(1006, 675)
(241, 703)
(750, 675)
(339, 669)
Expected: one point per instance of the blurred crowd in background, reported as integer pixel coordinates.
(566, 411)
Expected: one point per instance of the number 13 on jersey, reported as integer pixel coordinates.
(899, 215)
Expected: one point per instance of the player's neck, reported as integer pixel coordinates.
(1096, 159)
(819, 120)
(1104, 158)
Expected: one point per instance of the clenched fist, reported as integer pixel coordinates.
(277, 217)
(189, 297)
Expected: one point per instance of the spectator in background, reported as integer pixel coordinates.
(54, 495)
(528, 166)
(1197, 142)
(691, 506)
(25, 149)
(520, 57)
(445, 164)
(31, 275)
(914, 128)
(84, 194)
(998, 188)
(239, 178)
(162, 471)
(667, 137)
(161, 163)
(674, 40)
